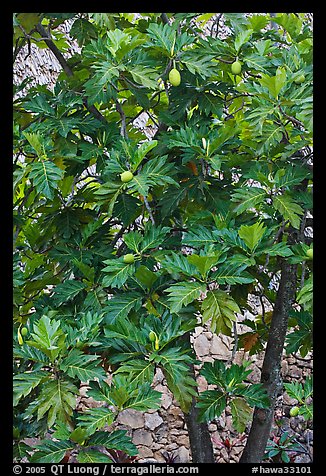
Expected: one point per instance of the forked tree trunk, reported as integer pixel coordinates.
(271, 370)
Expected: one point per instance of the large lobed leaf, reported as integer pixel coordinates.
(117, 440)
(58, 400)
(94, 419)
(116, 273)
(211, 405)
(241, 414)
(183, 293)
(47, 337)
(67, 291)
(45, 176)
(24, 383)
(82, 366)
(175, 366)
(50, 451)
(289, 209)
(220, 308)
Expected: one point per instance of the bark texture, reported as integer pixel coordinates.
(199, 436)
(271, 370)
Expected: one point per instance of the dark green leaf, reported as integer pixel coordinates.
(121, 305)
(24, 383)
(211, 404)
(183, 293)
(116, 273)
(92, 456)
(94, 419)
(82, 366)
(241, 414)
(220, 309)
(45, 176)
(116, 440)
(255, 395)
(67, 291)
(49, 451)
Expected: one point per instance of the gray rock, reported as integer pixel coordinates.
(254, 376)
(161, 434)
(148, 460)
(183, 454)
(284, 368)
(197, 331)
(176, 412)
(153, 420)
(202, 383)
(207, 334)
(201, 345)
(159, 457)
(208, 358)
(166, 400)
(287, 400)
(180, 439)
(158, 377)
(294, 371)
(142, 437)
(131, 418)
(145, 452)
(219, 348)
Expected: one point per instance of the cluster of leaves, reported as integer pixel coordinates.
(302, 392)
(214, 197)
(282, 449)
(230, 391)
(49, 389)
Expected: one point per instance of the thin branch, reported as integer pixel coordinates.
(134, 85)
(57, 53)
(151, 117)
(132, 119)
(253, 75)
(165, 19)
(29, 36)
(168, 67)
(303, 273)
(18, 46)
(217, 23)
(118, 236)
(238, 109)
(149, 210)
(225, 61)
(123, 130)
(238, 96)
(203, 167)
(263, 312)
(235, 345)
(292, 119)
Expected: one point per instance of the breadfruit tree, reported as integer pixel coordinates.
(127, 238)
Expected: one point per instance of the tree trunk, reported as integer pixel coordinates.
(199, 437)
(271, 370)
